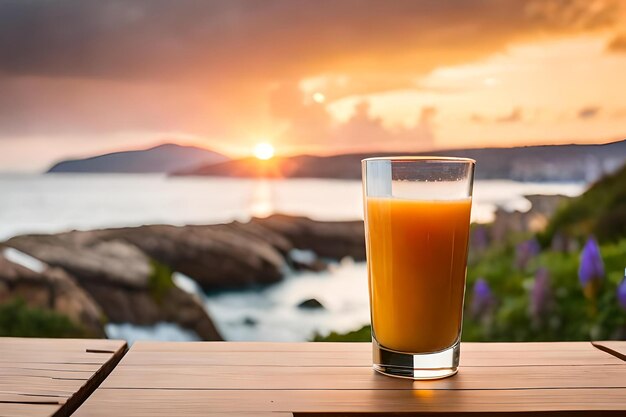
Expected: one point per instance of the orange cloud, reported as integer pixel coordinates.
(227, 70)
(617, 44)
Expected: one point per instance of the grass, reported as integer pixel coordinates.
(160, 280)
(17, 319)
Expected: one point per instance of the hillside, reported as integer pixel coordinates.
(531, 163)
(600, 211)
(159, 159)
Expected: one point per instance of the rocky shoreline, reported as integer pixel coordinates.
(124, 275)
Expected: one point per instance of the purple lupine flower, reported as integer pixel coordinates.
(591, 269)
(540, 294)
(621, 293)
(525, 252)
(482, 298)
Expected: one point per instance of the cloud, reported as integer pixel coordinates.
(243, 38)
(362, 130)
(573, 14)
(588, 112)
(310, 125)
(477, 118)
(617, 43)
(217, 68)
(514, 116)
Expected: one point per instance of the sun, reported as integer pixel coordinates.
(319, 97)
(263, 151)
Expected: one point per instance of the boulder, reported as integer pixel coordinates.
(306, 260)
(333, 240)
(87, 258)
(311, 303)
(249, 321)
(256, 231)
(216, 257)
(54, 290)
(120, 278)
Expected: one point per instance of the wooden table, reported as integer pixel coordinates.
(286, 379)
(52, 377)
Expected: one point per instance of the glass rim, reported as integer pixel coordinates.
(416, 158)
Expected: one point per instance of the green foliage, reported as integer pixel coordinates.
(600, 211)
(19, 320)
(160, 280)
(364, 334)
(569, 315)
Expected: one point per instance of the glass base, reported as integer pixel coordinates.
(416, 366)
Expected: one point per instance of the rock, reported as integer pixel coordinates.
(216, 257)
(256, 231)
(317, 265)
(70, 299)
(187, 310)
(53, 290)
(249, 321)
(311, 303)
(334, 240)
(87, 258)
(534, 220)
(546, 205)
(119, 277)
(306, 260)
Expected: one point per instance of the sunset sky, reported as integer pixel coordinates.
(83, 77)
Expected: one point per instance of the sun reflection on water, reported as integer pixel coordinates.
(262, 201)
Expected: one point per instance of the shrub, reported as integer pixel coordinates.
(19, 320)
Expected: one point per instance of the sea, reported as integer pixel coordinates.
(33, 203)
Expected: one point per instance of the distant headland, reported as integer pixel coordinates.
(163, 158)
(527, 163)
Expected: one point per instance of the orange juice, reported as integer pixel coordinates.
(417, 253)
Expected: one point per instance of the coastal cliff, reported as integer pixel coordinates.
(124, 275)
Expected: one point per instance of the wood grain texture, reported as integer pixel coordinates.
(66, 367)
(52, 377)
(472, 354)
(178, 347)
(197, 379)
(144, 403)
(363, 378)
(27, 410)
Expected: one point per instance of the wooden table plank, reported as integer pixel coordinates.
(55, 357)
(189, 379)
(49, 373)
(178, 347)
(8, 344)
(65, 367)
(188, 403)
(351, 347)
(27, 410)
(268, 377)
(52, 377)
(472, 354)
(30, 399)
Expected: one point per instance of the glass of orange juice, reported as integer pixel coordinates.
(417, 218)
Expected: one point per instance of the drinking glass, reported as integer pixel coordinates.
(417, 218)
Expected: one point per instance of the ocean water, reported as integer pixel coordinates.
(54, 203)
